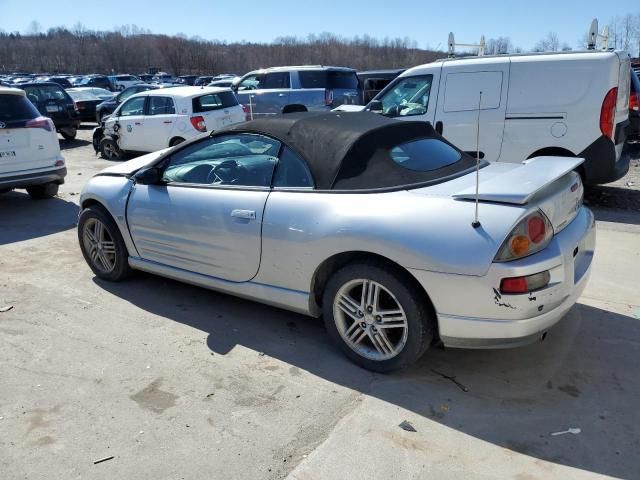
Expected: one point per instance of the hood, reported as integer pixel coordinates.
(132, 166)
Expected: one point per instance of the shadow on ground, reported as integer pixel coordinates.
(22, 218)
(584, 375)
(75, 143)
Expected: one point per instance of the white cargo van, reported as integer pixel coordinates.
(562, 104)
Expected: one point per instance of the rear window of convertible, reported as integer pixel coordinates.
(424, 155)
(214, 101)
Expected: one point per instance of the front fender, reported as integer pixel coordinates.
(112, 193)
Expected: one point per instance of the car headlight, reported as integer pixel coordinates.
(532, 234)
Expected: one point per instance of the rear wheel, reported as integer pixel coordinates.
(102, 245)
(109, 149)
(69, 133)
(39, 192)
(374, 314)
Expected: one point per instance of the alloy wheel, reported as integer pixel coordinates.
(99, 245)
(370, 319)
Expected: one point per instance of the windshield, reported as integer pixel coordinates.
(406, 96)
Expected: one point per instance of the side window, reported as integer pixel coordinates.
(133, 106)
(161, 106)
(463, 91)
(214, 101)
(242, 160)
(407, 96)
(276, 80)
(292, 171)
(252, 82)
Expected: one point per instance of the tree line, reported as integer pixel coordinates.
(131, 49)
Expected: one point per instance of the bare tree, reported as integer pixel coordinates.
(550, 43)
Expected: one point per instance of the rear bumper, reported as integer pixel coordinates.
(604, 161)
(473, 314)
(34, 178)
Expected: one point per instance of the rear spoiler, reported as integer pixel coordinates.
(519, 186)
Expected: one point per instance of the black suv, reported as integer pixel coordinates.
(52, 101)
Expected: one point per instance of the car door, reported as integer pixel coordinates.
(457, 115)
(206, 214)
(246, 92)
(130, 120)
(159, 121)
(273, 94)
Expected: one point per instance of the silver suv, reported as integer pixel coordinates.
(287, 89)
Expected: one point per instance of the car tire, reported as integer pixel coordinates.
(176, 141)
(41, 192)
(109, 149)
(371, 341)
(102, 245)
(69, 133)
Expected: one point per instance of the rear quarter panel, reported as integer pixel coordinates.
(302, 229)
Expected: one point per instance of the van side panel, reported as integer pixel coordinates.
(555, 101)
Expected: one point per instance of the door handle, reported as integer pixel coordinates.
(282, 94)
(439, 127)
(244, 214)
(137, 123)
(167, 121)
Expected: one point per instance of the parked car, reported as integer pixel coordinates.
(271, 91)
(54, 102)
(145, 77)
(316, 213)
(101, 93)
(163, 77)
(584, 115)
(187, 79)
(225, 82)
(633, 131)
(373, 81)
(162, 118)
(120, 82)
(100, 81)
(86, 103)
(109, 105)
(62, 81)
(202, 80)
(30, 155)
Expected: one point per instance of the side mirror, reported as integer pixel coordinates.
(375, 106)
(148, 176)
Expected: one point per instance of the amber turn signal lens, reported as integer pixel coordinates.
(520, 245)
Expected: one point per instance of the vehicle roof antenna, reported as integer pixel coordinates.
(476, 221)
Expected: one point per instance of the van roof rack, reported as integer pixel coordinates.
(594, 36)
(452, 46)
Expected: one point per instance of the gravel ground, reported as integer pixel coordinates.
(623, 194)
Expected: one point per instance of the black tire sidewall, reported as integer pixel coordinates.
(103, 142)
(42, 192)
(421, 325)
(68, 137)
(122, 269)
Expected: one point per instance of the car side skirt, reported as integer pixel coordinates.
(294, 300)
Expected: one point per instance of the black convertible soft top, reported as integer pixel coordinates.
(351, 150)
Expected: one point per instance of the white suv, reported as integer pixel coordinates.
(157, 119)
(29, 150)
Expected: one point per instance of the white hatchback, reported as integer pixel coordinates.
(157, 119)
(29, 150)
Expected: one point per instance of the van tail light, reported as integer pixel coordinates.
(328, 96)
(532, 234)
(41, 122)
(634, 103)
(608, 112)
(198, 123)
(516, 285)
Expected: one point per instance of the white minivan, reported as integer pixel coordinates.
(30, 155)
(157, 119)
(562, 104)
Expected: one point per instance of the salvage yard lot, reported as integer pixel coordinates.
(174, 381)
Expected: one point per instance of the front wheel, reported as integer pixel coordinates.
(69, 133)
(109, 149)
(377, 317)
(102, 244)
(40, 192)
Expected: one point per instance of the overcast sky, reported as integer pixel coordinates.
(426, 22)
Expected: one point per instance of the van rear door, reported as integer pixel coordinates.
(458, 101)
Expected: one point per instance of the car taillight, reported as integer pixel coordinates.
(328, 96)
(531, 235)
(634, 104)
(198, 123)
(41, 122)
(530, 283)
(608, 112)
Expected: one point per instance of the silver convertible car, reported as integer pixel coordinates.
(362, 219)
